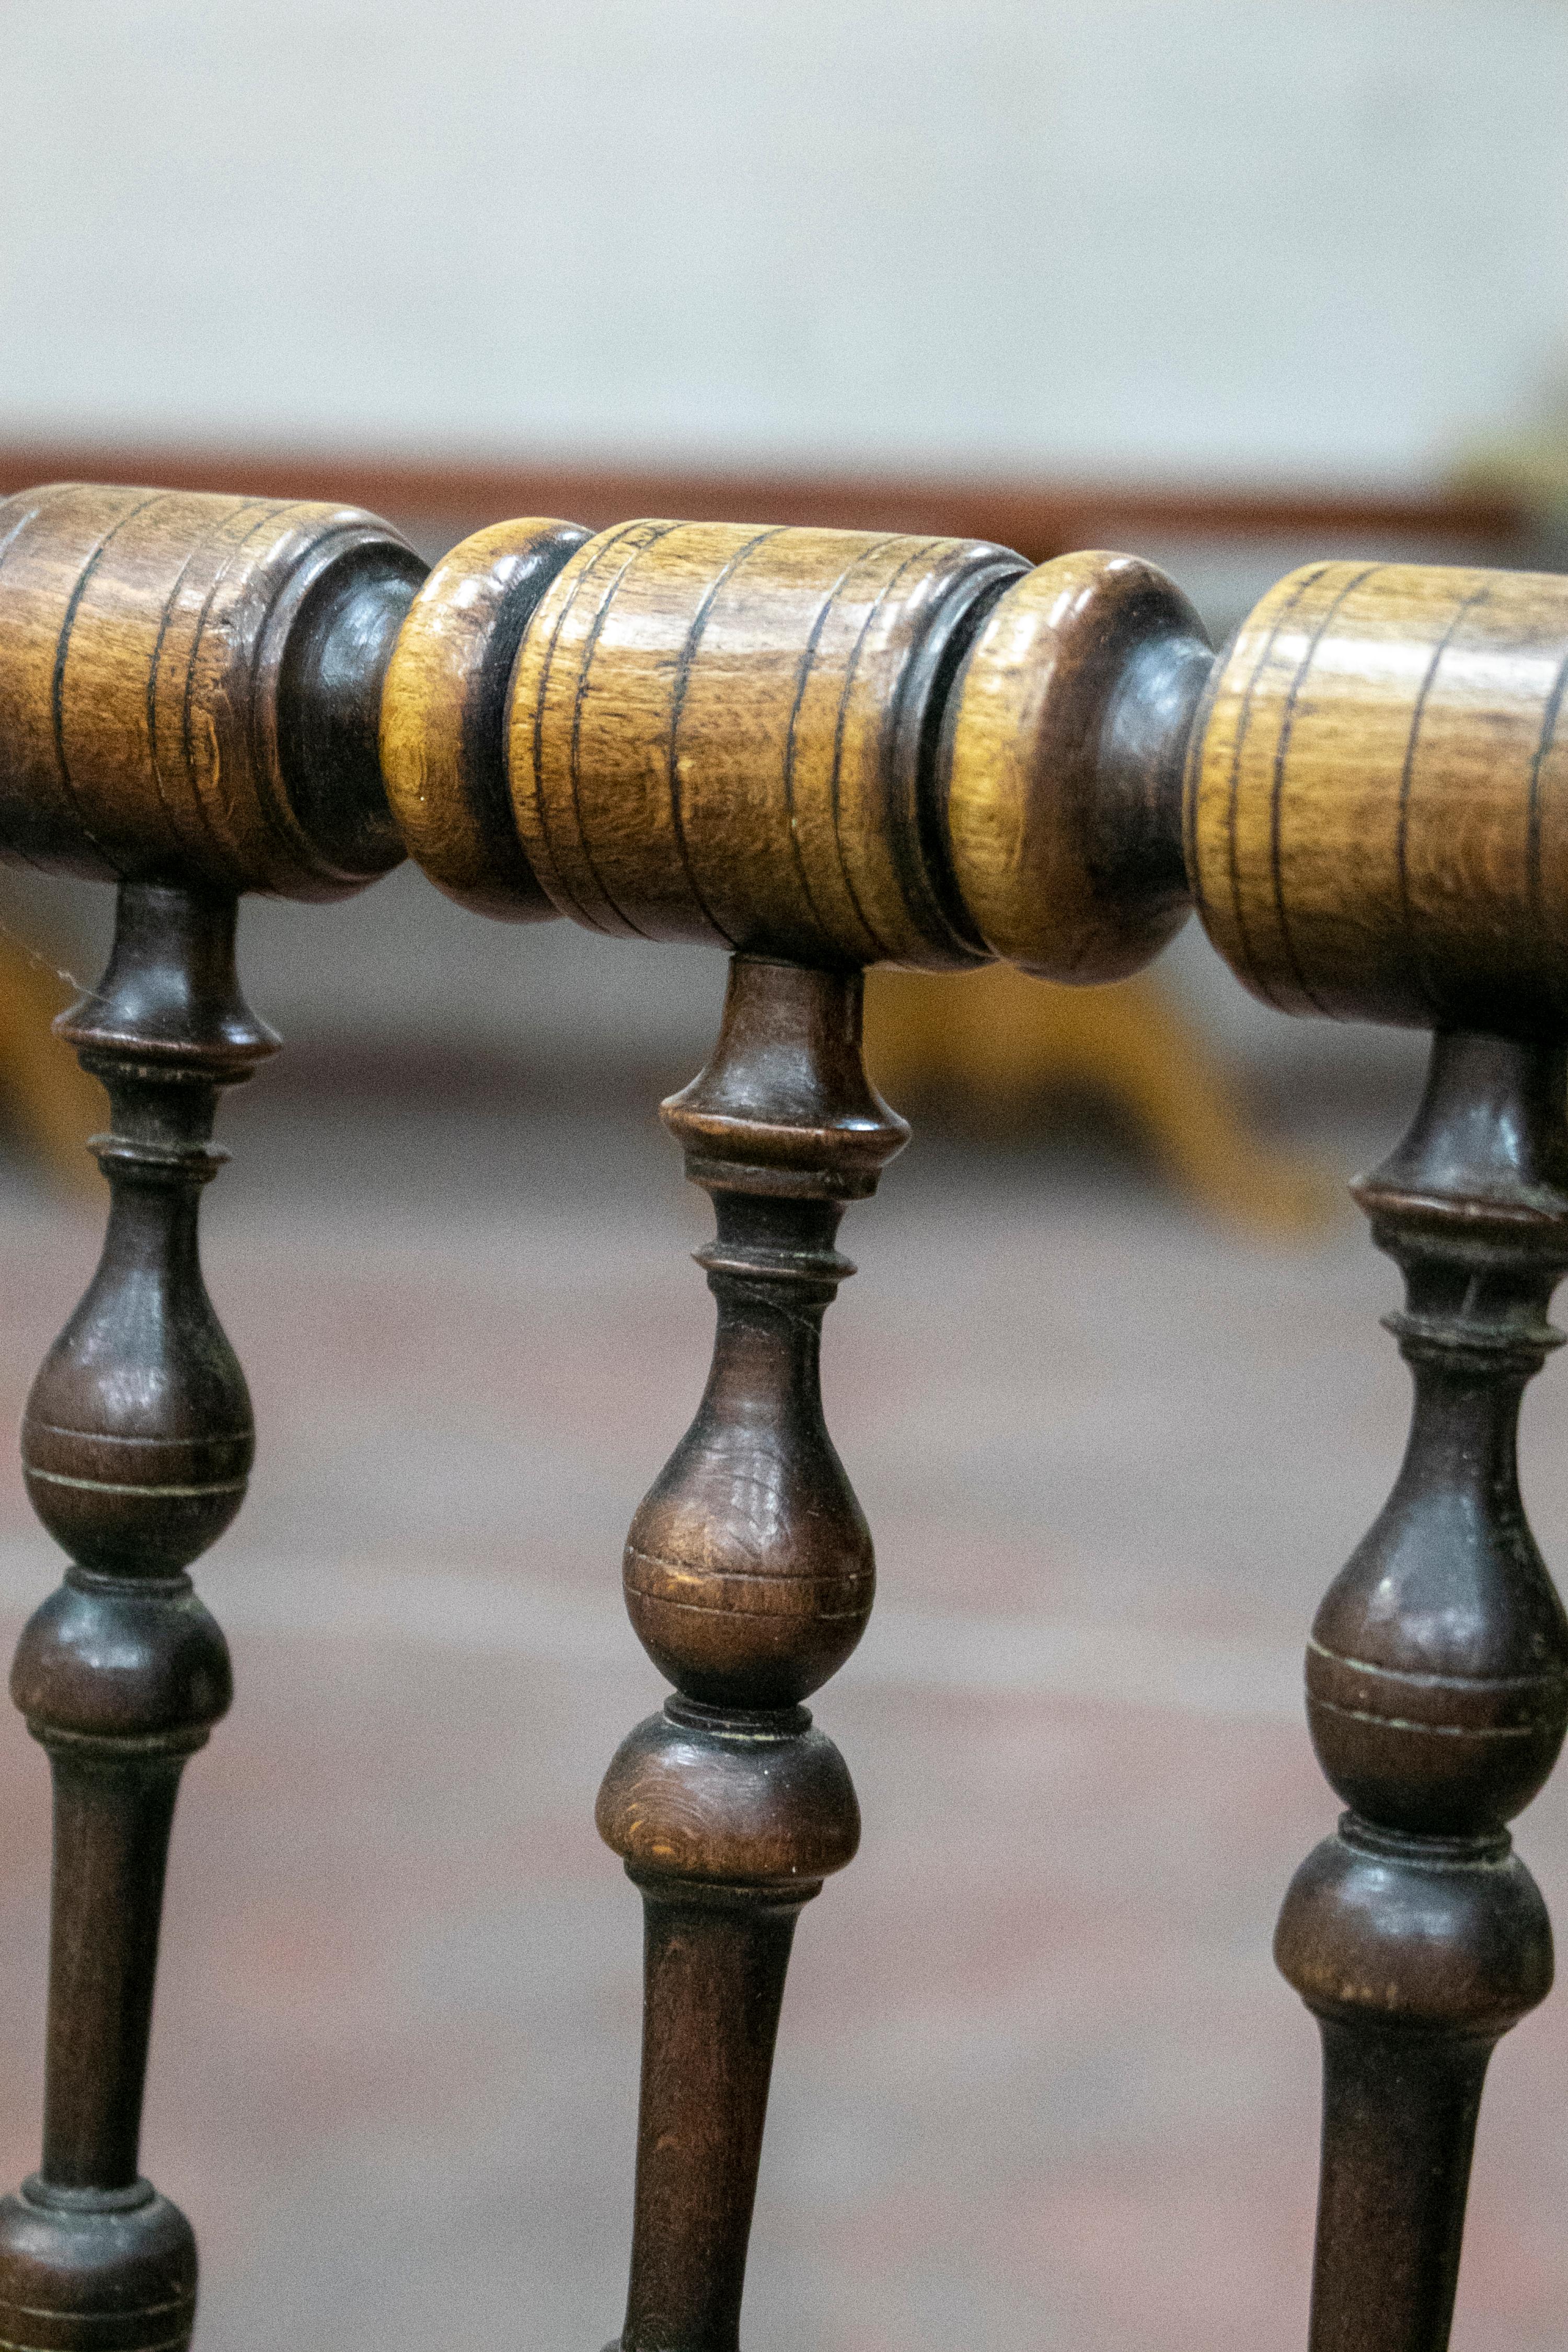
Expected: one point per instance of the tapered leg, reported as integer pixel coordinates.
(749, 1578)
(136, 1446)
(1438, 1693)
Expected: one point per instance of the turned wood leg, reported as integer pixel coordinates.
(136, 1446)
(749, 1579)
(1438, 1694)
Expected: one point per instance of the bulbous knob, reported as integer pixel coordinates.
(1062, 762)
(444, 715)
(111, 2269)
(698, 1795)
(1385, 1931)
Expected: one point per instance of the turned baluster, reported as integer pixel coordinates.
(749, 1579)
(1377, 828)
(731, 736)
(1438, 1693)
(746, 737)
(1365, 797)
(136, 1446)
(188, 705)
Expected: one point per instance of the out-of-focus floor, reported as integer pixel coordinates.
(1038, 2085)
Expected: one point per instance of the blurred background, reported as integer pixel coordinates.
(1232, 283)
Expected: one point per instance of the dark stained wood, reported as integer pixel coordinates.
(820, 749)
(1375, 830)
(1437, 1695)
(136, 1446)
(749, 1579)
(189, 701)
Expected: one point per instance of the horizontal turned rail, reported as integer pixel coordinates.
(818, 751)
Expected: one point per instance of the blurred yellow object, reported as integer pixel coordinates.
(1002, 1038)
(47, 1097)
(1528, 465)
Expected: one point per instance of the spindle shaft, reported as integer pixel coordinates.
(136, 1446)
(1438, 1694)
(189, 698)
(749, 1579)
(1375, 829)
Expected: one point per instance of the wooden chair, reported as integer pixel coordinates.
(819, 750)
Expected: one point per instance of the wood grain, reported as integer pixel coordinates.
(749, 1579)
(728, 734)
(443, 715)
(1062, 767)
(1437, 1695)
(189, 687)
(136, 1447)
(1377, 823)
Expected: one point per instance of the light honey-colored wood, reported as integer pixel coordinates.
(729, 734)
(48, 1099)
(1377, 807)
(443, 715)
(150, 720)
(1063, 767)
(836, 747)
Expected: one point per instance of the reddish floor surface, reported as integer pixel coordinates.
(1038, 2085)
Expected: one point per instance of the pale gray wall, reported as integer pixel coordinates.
(1231, 236)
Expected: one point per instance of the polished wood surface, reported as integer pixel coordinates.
(749, 1579)
(136, 1447)
(1437, 1695)
(189, 702)
(444, 715)
(1062, 767)
(191, 684)
(820, 750)
(728, 734)
(1374, 833)
(1379, 798)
